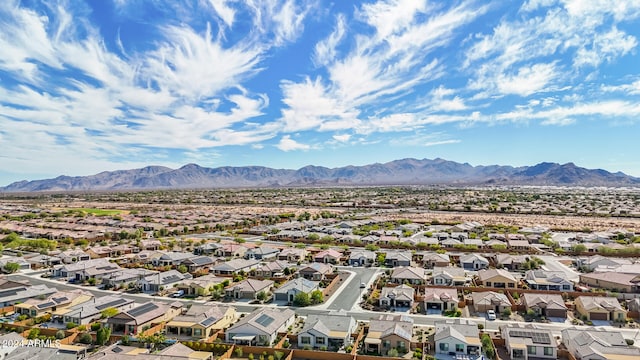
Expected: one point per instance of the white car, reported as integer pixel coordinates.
(491, 315)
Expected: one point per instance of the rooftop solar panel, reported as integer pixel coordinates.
(208, 321)
(264, 320)
(113, 303)
(142, 309)
(59, 300)
(45, 305)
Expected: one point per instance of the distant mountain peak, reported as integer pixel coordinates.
(399, 172)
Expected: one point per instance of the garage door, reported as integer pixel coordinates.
(434, 306)
(599, 316)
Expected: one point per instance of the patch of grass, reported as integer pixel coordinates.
(99, 212)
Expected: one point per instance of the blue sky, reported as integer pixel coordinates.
(119, 84)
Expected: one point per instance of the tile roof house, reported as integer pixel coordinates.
(261, 327)
(510, 262)
(248, 289)
(600, 308)
(388, 332)
(262, 253)
(162, 281)
(497, 278)
(622, 282)
(459, 336)
(274, 268)
(292, 254)
(172, 258)
(473, 262)
(397, 296)
(529, 342)
(362, 258)
(332, 331)
(201, 321)
(91, 310)
(449, 276)
(234, 266)
(595, 344)
(432, 260)
(198, 263)
(19, 293)
(489, 300)
(329, 256)
(547, 305)
(547, 280)
(133, 320)
(35, 307)
(409, 275)
(440, 299)
(315, 271)
(200, 286)
(290, 289)
(398, 258)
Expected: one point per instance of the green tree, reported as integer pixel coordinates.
(102, 335)
(182, 268)
(317, 297)
(85, 338)
(262, 296)
(301, 299)
(11, 267)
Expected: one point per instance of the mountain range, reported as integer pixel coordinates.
(398, 172)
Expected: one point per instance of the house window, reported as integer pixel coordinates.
(488, 283)
(386, 344)
(531, 350)
(548, 351)
(320, 340)
(438, 281)
(511, 285)
(400, 344)
(444, 346)
(305, 340)
(459, 347)
(566, 287)
(197, 332)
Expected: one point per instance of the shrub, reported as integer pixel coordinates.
(95, 326)
(238, 351)
(71, 325)
(251, 357)
(86, 338)
(33, 333)
(629, 342)
(60, 335)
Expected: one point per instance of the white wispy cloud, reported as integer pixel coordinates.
(288, 144)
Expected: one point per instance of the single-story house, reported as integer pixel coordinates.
(261, 327)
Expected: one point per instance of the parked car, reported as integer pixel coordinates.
(491, 315)
(363, 285)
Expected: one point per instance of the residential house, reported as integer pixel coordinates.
(529, 342)
(398, 258)
(450, 276)
(315, 271)
(171, 258)
(592, 262)
(330, 331)
(497, 278)
(39, 261)
(96, 252)
(469, 226)
(519, 245)
(615, 281)
(397, 296)
(597, 344)
(432, 260)
(198, 263)
(489, 300)
(408, 275)
(75, 270)
(510, 262)
(634, 305)
(261, 327)
(600, 308)
(457, 336)
(362, 258)
(473, 262)
(547, 280)
(36, 307)
(91, 310)
(248, 289)
(133, 321)
(210, 248)
(440, 299)
(450, 243)
(289, 290)
(235, 266)
(273, 269)
(547, 305)
(200, 286)
(201, 321)
(388, 332)
(292, 255)
(150, 244)
(22, 263)
(126, 276)
(162, 281)
(263, 253)
(177, 351)
(14, 292)
(72, 256)
(329, 256)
